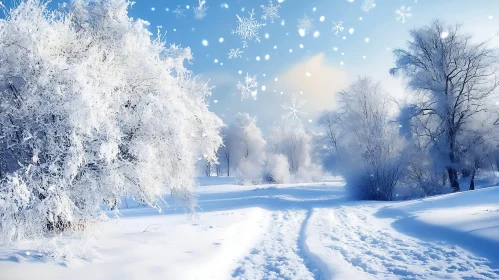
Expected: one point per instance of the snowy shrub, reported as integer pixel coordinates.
(423, 177)
(92, 109)
(247, 148)
(372, 169)
(478, 144)
(295, 143)
(371, 151)
(277, 169)
(308, 173)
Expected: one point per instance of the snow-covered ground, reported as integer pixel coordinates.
(301, 231)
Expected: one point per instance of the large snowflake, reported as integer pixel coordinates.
(368, 5)
(235, 53)
(179, 12)
(403, 13)
(200, 11)
(337, 27)
(270, 12)
(305, 24)
(294, 109)
(248, 88)
(248, 28)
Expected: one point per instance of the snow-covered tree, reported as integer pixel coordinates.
(478, 144)
(327, 142)
(295, 143)
(453, 79)
(247, 148)
(225, 151)
(92, 109)
(370, 148)
(423, 176)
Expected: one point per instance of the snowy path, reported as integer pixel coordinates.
(279, 255)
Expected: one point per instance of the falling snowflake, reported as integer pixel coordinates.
(270, 12)
(200, 11)
(235, 53)
(248, 28)
(248, 88)
(338, 27)
(294, 109)
(305, 24)
(179, 12)
(368, 5)
(403, 13)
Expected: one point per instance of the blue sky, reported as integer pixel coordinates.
(325, 64)
(328, 69)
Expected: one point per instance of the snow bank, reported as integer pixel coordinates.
(469, 219)
(153, 247)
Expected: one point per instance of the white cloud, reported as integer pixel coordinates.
(319, 88)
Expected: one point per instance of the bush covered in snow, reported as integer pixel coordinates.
(92, 110)
(295, 143)
(277, 169)
(371, 152)
(244, 143)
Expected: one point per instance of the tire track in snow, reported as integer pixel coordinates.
(309, 258)
(280, 254)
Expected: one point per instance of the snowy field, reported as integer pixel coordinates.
(300, 231)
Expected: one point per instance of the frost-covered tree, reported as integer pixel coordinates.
(247, 148)
(453, 79)
(295, 143)
(225, 151)
(327, 142)
(92, 109)
(478, 144)
(371, 150)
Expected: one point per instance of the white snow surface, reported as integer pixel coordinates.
(292, 231)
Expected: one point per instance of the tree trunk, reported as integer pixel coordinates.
(228, 166)
(472, 183)
(454, 183)
(452, 172)
(466, 172)
(207, 170)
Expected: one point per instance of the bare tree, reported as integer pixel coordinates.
(218, 169)
(207, 168)
(330, 121)
(226, 149)
(454, 79)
